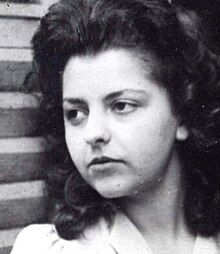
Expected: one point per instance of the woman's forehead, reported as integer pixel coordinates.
(109, 70)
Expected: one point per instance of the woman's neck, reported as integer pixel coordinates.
(159, 213)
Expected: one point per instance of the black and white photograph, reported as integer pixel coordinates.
(110, 126)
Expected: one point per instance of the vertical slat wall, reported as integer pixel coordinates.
(23, 150)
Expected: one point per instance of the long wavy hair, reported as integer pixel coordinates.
(186, 68)
(208, 18)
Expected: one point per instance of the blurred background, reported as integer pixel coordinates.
(23, 149)
(24, 152)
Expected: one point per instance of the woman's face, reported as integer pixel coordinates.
(119, 126)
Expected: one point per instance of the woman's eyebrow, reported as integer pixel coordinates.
(117, 94)
(109, 97)
(74, 100)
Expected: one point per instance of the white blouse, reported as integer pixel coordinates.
(122, 238)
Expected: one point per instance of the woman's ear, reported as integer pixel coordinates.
(182, 132)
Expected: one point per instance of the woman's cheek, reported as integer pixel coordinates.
(74, 143)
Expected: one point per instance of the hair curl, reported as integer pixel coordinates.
(186, 68)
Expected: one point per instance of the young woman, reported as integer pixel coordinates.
(133, 98)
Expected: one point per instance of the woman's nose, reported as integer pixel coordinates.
(97, 132)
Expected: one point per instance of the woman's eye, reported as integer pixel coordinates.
(124, 107)
(75, 116)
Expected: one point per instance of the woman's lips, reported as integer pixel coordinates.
(104, 166)
(100, 162)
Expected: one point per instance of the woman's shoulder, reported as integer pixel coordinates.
(44, 239)
(39, 230)
(36, 238)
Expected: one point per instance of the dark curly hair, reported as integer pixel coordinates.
(207, 12)
(186, 68)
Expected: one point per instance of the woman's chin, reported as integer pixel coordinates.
(113, 190)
